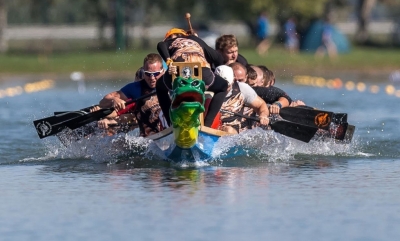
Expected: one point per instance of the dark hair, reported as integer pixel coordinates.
(139, 74)
(251, 73)
(265, 71)
(269, 77)
(271, 81)
(226, 41)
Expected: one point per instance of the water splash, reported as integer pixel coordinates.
(256, 145)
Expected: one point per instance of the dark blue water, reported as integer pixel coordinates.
(277, 189)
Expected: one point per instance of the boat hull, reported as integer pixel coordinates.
(201, 151)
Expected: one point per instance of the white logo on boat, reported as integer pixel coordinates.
(44, 128)
(187, 72)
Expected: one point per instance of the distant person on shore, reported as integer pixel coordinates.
(291, 36)
(263, 43)
(228, 46)
(327, 43)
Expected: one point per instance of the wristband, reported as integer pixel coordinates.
(278, 104)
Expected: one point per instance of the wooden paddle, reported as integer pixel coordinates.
(54, 124)
(294, 130)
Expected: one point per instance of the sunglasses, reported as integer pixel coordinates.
(150, 74)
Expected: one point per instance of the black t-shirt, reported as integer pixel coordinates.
(271, 94)
(241, 60)
(211, 55)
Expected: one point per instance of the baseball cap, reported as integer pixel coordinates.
(175, 31)
(225, 72)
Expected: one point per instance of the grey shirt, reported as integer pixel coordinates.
(248, 93)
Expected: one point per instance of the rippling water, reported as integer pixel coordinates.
(276, 188)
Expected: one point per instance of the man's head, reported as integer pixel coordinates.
(260, 76)
(269, 77)
(139, 74)
(152, 69)
(239, 72)
(225, 72)
(228, 46)
(251, 76)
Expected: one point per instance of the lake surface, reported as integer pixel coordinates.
(280, 190)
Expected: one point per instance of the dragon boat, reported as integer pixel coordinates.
(188, 139)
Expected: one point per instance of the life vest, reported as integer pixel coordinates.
(234, 103)
(147, 113)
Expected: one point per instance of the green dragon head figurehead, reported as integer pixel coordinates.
(187, 104)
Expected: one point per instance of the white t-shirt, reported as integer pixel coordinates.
(248, 93)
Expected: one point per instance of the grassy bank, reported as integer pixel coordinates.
(368, 60)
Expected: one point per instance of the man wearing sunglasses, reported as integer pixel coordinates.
(147, 111)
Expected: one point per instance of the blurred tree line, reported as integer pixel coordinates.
(122, 13)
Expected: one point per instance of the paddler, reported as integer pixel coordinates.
(228, 46)
(181, 46)
(147, 111)
(239, 95)
(272, 94)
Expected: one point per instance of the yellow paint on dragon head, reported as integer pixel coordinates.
(187, 104)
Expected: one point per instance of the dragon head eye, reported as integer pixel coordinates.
(195, 83)
(182, 82)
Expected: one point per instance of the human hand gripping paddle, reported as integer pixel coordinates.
(55, 124)
(294, 130)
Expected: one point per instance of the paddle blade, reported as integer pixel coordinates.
(306, 116)
(294, 130)
(54, 124)
(349, 134)
(340, 133)
(339, 118)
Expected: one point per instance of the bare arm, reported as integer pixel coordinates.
(275, 107)
(284, 101)
(114, 99)
(261, 108)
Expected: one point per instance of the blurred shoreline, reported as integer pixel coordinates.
(56, 51)
(23, 32)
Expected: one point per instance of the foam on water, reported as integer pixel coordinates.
(256, 144)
